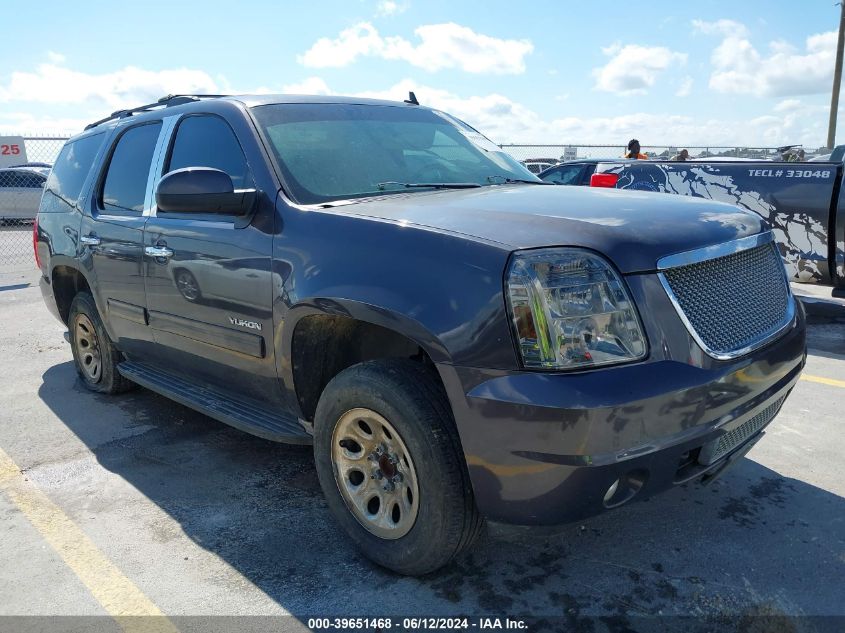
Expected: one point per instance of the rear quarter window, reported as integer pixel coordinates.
(125, 182)
(568, 175)
(64, 184)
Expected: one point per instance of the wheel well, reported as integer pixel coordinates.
(66, 283)
(325, 345)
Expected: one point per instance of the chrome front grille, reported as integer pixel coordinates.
(720, 447)
(733, 298)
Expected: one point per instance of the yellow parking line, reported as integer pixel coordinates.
(118, 595)
(825, 381)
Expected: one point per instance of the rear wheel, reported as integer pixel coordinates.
(94, 354)
(391, 466)
(188, 285)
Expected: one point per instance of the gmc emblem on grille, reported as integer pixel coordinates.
(252, 325)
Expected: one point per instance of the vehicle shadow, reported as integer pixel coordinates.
(752, 540)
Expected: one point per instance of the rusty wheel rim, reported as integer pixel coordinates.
(375, 474)
(87, 349)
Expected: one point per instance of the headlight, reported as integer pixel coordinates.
(571, 310)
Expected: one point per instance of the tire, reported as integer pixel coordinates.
(95, 356)
(423, 536)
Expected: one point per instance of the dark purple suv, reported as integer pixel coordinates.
(458, 340)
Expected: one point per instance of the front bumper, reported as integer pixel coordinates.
(544, 448)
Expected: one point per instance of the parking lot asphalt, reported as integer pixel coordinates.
(133, 504)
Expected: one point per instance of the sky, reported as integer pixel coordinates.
(710, 72)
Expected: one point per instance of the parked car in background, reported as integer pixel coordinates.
(20, 192)
(574, 172)
(536, 166)
(801, 201)
(457, 339)
(35, 164)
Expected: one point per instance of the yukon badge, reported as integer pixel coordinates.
(253, 325)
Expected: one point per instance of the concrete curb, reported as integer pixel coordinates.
(819, 302)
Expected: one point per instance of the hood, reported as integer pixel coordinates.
(632, 228)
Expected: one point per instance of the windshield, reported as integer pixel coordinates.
(336, 151)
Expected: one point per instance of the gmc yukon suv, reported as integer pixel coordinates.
(458, 340)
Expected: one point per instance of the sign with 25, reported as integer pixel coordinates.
(12, 151)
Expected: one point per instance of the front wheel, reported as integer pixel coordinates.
(391, 466)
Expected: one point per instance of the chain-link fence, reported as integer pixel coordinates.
(25, 163)
(556, 153)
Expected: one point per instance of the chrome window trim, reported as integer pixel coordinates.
(157, 164)
(712, 252)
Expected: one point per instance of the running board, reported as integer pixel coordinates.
(226, 408)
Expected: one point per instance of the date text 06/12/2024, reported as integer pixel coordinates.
(417, 623)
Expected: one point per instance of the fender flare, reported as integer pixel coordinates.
(360, 311)
(353, 309)
(65, 261)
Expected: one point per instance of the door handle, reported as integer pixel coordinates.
(158, 251)
(89, 240)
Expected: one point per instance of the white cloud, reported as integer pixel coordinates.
(507, 121)
(309, 86)
(738, 67)
(29, 123)
(441, 46)
(494, 114)
(85, 97)
(56, 58)
(57, 99)
(633, 69)
(794, 121)
(788, 105)
(387, 8)
(685, 88)
(725, 28)
(130, 86)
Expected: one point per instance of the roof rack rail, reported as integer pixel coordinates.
(168, 101)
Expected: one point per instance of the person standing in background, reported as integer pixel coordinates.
(681, 156)
(792, 154)
(634, 151)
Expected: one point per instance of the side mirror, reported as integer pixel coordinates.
(202, 190)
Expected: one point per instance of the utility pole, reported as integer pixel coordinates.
(837, 78)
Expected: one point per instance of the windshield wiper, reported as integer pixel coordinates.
(504, 180)
(427, 185)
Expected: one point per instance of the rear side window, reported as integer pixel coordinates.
(31, 181)
(570, 175)
(125, 185)
(10, 179)
(70, 171)
(208, 141)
